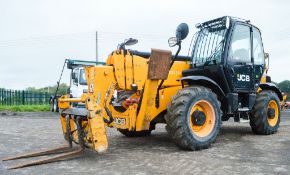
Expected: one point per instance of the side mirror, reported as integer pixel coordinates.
(182, 31)
(73, 75)
(266, 55)
(172, 41)
(127, 42)
(76, 81)
(130, 42)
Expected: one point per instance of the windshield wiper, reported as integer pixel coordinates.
(209, 59)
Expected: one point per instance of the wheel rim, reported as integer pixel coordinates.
(272, 120)
(204, 128)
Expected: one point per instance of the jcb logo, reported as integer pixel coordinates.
(242, 77)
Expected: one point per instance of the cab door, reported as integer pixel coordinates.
(75, 82)
(240, 64)
(258, 55)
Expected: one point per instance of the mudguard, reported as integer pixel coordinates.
(273, 87)
(204, 81)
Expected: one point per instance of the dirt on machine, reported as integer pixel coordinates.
(225, 77)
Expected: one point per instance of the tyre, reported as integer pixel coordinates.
(68, 136)
(265, 116)
(128, 133)
(193, 118)
(55, 105)
(52, 105)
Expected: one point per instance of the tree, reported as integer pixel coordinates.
(63, 88)
(284, 86)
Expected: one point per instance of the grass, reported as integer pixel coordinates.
(25, 108)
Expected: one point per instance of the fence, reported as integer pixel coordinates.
(21, 97)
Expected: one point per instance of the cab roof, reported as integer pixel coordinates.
(222, 22)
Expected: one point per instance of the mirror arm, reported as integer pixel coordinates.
(162, 81)
(121, 47)
(176, 54)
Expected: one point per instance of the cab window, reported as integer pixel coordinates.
(82, 79)
(240, 48)
(209, 45)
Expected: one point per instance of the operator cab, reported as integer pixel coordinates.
(230, 52)
(78, 82)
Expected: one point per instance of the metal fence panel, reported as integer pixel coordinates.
(10, 97)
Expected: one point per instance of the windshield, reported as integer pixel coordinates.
(83, 80)
(209, 45)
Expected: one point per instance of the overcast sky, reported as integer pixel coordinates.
(36, 36)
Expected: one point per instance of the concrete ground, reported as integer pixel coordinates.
(236, 151)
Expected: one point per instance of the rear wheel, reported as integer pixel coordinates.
(68, 131)
(128, 133)
(265, 117)
(55, 105)
(52, 105)
(193, 118)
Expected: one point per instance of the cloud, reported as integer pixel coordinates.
(36, 36)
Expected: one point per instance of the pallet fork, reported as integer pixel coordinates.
(63, 152)
(60, 153)
(84, 127)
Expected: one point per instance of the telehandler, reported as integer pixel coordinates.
(224, 77)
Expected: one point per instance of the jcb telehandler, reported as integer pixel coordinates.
(224, 77)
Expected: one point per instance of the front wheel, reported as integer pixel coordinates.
(193, 118)
(265, 116)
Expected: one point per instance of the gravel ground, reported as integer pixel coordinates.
(236, 151)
